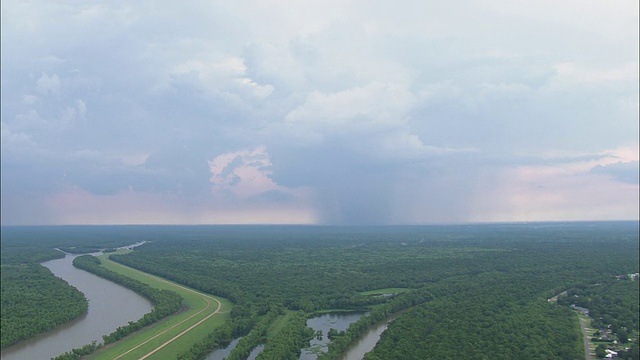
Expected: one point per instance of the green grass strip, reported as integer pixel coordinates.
(385, 291)
(185, 328)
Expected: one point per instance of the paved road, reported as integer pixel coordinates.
(585, 337)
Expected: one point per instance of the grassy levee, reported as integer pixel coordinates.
(204, 313)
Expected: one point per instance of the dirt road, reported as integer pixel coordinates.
(208, 299)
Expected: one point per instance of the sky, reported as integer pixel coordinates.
(318, 112)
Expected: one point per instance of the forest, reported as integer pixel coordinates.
(35, 301)
(477, 291)
(492, 282)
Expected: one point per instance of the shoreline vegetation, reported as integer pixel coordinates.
(28, 288)
(164, 302)
(35, 301)
(477, 290)
(176, 333)
(185, 312)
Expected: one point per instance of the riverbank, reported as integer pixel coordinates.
(104, 315)
(175, 334)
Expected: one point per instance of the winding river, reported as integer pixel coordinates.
(110, 306)
(367, 341)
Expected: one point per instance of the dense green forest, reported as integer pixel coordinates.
(477, 291)
(490, 317)
(480, 291)
(35, 301)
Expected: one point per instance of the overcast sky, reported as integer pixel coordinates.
(327, 112)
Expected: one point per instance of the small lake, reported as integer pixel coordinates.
(339, 321)
(110, 306)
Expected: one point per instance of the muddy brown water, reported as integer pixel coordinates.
(110, 306)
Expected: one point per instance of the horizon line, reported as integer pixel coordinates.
(520, 222)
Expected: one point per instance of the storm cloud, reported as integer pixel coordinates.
(340, 112)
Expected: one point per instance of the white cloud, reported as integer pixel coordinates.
(609, 20)
(376, 104)
(405, 146)
(573, 74)
(246, 175)
(29, 99)
(72, 114)
(15, 142)
(48, 85)
(224, 77)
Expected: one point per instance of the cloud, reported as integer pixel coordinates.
(273, 196)
(244, 173)
(626, 172)
(225, 76)
(48, 85)
(544, 193)
(245, 176)
(340, 112)
(376, 104)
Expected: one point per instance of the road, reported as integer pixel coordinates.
(585, 337)
(209, 300)
(583, 326)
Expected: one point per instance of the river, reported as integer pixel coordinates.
(367, 341)
(110, 306)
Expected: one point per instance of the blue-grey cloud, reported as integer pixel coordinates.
(272, 196)
(626, 172)
(381, 112)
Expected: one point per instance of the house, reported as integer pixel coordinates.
(610, 354)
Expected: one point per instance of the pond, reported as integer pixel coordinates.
(339, 321)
